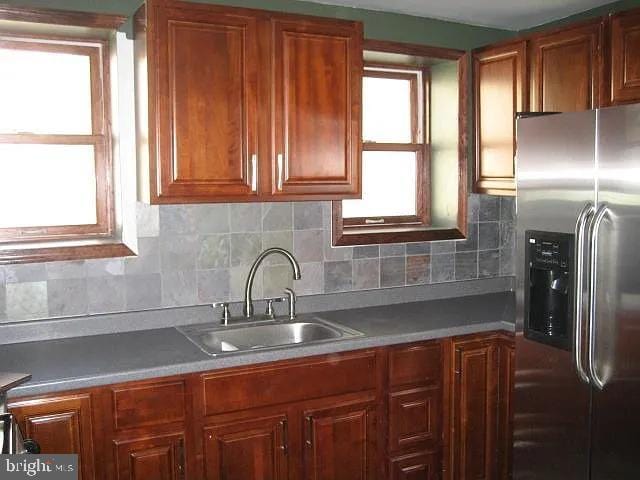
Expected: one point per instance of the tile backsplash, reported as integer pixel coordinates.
(190, 254)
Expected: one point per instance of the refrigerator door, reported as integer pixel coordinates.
(616, 332)
(555, 164)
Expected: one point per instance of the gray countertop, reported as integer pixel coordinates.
(80, 362)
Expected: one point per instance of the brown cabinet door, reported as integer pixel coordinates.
(340, 443)
(625, 57)
(499, 76)
(60, 425)
(158, 457)
(248, 449)
(203, 65)
(565, 69)
(474, 409)
(415, 466)
(317, 91)
(505, 407)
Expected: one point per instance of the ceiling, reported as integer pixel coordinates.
(506, 14)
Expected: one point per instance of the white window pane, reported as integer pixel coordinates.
(43, 92)
(386, 110)
(388, 186)
(47, 185)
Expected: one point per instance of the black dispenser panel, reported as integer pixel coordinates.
(549, 289)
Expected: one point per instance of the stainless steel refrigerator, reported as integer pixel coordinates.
(577, 383)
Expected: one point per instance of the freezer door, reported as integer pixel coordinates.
(616, 333)
(555, 180)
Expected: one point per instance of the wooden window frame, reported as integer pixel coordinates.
(344, 234)
(418, 145)
(99, 139)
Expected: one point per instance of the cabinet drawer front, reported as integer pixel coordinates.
(414, 418)
(259, 387)
(415, 466)
(415, 364)
(152, 404)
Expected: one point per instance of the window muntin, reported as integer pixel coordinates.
(54, 134)
(395, 155)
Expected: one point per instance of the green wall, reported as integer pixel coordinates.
(378, 25)
(595, 12)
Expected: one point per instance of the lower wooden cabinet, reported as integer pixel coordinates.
(254, 448)
(159, 457)
(479, 437)
(340, 442)
(60, 424)
(425, 411)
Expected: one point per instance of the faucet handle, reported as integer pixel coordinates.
(226, 316)
(269, 312)
(291, 297)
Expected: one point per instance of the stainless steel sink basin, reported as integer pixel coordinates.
(216, 340)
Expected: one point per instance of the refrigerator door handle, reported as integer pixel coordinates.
(579, 264)
(593, 282)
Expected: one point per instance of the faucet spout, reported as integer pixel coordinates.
(248, 299)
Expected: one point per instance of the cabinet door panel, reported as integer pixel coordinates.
(415, 466)
(499, 93)
(340, 443)
(317, 108)
(253, 449)
(474, 410)
(206, 103)
(60, 425)
(625, 58)
(564, 69)
(159, 457)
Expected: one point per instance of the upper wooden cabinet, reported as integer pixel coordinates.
(317, 94)
(625, 57)
(203, 79)
(242, 105)
(565, 69)
(499, 76)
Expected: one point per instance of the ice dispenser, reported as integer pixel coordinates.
(548, 313)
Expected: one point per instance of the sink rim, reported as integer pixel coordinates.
(192, 332)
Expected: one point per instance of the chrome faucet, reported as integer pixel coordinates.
(248, 301)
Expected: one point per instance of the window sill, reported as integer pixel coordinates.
(53, 254)
(360, 237)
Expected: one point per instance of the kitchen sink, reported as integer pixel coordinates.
(219, 340)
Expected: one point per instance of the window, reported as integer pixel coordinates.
(394, 152)
(54, 148)
(413, 157)
(60, 195)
